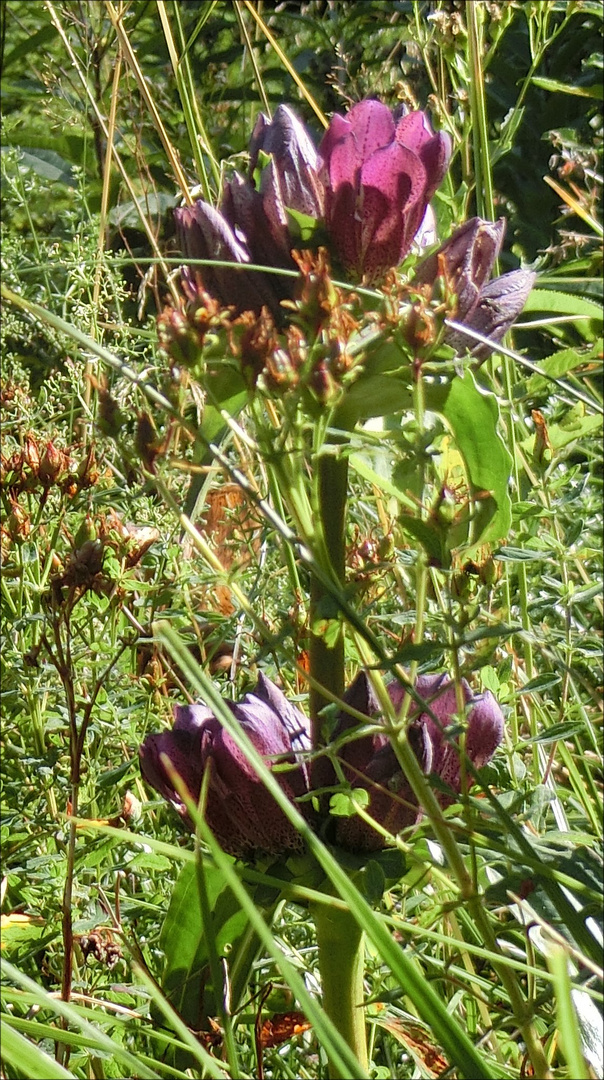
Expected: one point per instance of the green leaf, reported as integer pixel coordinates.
(472, 416)
(595, 91)
(345, 804)
(555, 302)
(186, 979)
(50, 165)
(561, 362)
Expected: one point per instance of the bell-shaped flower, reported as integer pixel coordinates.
(379, 175)
(466, 259)
(369, 761)
(241, 813)
(293, 171)
(205, 233)
(483, 718)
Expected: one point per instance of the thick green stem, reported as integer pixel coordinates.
(340, 939)
(327, 660)
(341, 964)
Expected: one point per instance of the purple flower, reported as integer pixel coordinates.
(243, 815)
(206, 233)
(369, 761)
(293, 171)
(240, 811)
(379, 175)
(466, 259)
(252, 226)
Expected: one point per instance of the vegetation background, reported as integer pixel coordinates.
(105, 106)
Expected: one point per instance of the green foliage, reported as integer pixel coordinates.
(473, 544)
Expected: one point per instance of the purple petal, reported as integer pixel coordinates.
(183, 749)
(372, 125)
(295, 161)
(499, 305)
(204, 233)
(393, 184)
(486, 726)
(392, 802)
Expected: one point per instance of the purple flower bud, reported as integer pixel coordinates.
(500, 304)
(241, 813)
(466, 259)
(370, 762)
(379, 176)
(294, 169)
(484, 718)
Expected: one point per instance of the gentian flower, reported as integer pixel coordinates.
(252, 226)
(467, 258)
(371, 181)
(379, 174)
(241, 813)
(369, 761)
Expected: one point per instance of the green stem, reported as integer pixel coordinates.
(340, 939)
(341, 964)
(327, 663)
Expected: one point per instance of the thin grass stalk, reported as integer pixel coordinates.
(485, 203)
(286, 63)
(133, 64)
(186, 91)
(118, 161)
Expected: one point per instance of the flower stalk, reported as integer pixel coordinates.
(340, 942)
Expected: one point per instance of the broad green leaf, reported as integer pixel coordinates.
(472, 417)
(556, 302)
(50, 165)
(561, 362)
(187, 979)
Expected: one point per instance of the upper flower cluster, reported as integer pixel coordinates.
(370, 182)
(243, 815)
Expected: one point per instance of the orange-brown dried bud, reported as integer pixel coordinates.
(296, 346)
(31, 454)
(84, 564)
(179, 339)
(316, 296)
(54, 465)
(280, 374)
(87, 472)
(110, 418)
(146, 440)
(323, 385)
(420, 328)
(258, 343)
(18, 522)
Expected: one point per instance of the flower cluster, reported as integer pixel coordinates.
(243, 815)
(369, 186)
(370, 181)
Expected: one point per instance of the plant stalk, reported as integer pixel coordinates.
(341, 964)
(340, 939)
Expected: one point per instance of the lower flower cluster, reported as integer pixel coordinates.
(243, 815)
